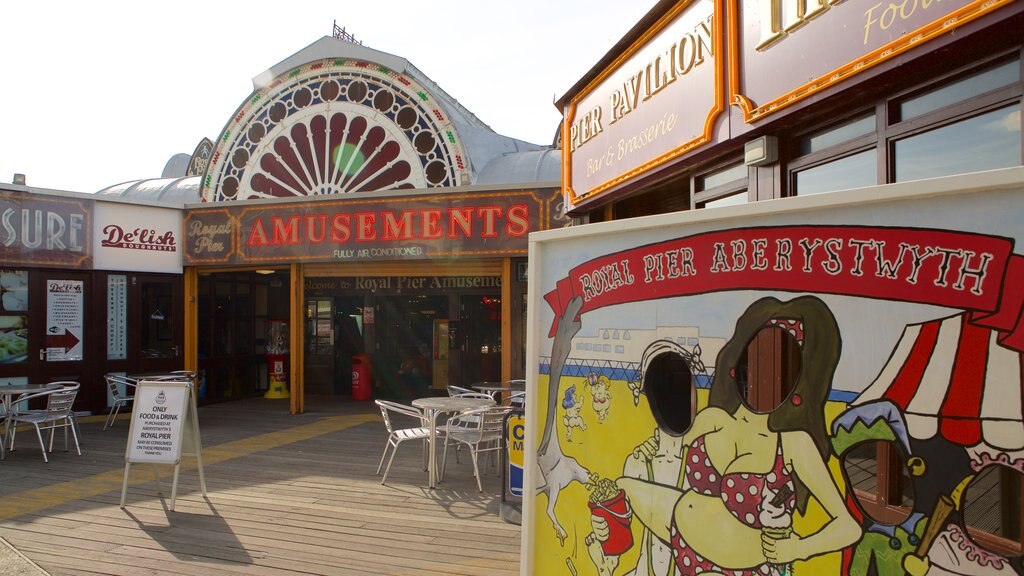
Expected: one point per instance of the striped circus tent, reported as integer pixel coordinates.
(952, 377)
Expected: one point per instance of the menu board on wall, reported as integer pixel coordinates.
(64, 303)
(117, 321)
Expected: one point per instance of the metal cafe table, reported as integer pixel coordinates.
(433, 407)
(496, 388)
(9, 391)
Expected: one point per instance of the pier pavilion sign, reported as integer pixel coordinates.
(481, 224)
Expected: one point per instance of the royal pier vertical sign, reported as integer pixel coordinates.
(412, 227)
(657, 101)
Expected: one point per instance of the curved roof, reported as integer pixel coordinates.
(492, 159)
(519, 167)
(176, 166)
(178, 191)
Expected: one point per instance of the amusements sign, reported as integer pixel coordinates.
(411, 227)
(157, 423)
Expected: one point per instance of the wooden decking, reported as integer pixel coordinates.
(285, 495)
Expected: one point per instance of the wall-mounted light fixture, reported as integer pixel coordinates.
(264, 272)
(761, 151)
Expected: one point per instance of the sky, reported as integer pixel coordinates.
(99, 93)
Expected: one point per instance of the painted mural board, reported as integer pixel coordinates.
(902, 303)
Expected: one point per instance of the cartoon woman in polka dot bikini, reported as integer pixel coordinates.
(745, 473)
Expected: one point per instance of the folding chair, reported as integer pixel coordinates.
(481, 430)
(57, 414)
(122, 390)
(396, 435)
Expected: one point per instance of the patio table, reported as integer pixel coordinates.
(434, 406)
(495, 389)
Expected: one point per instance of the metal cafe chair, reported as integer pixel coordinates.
(57, 414)
(116, 383)
(443, 428)
(458, 390)
(391, 411)
(481, 430)
(515, 399)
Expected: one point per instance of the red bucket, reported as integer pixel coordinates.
(619, 516)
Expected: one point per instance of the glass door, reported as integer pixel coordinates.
(159, 324)
(318, 336)
(480, 336)
(406, 344)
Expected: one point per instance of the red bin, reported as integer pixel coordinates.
(362, 381)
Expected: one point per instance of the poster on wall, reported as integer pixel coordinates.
(729, 390)
(117, 321)
(64, 305)
(13, 318)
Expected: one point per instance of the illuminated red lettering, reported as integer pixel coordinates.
(518, 223)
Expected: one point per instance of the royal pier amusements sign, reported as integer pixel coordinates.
(407, 227)
(656, 102)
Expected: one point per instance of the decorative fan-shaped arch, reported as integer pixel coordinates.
(335, 127)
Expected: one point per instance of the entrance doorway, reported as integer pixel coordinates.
(410, 344)
(480, 338)
(333, 334)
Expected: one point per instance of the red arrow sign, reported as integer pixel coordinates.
(67, 341)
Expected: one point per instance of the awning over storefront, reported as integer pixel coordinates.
(953, 378)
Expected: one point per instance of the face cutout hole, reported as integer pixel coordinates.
(767, 371)
(992, 509)
(880, 480)
(671, 392)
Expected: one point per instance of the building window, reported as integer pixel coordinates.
(839, 157)
(854, 171)
(988, 80)
(967, 122)
(984, 142)
(721, 186)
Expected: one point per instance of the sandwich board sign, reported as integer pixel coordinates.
(164, 427)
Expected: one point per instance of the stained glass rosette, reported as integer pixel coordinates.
(335, 126)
